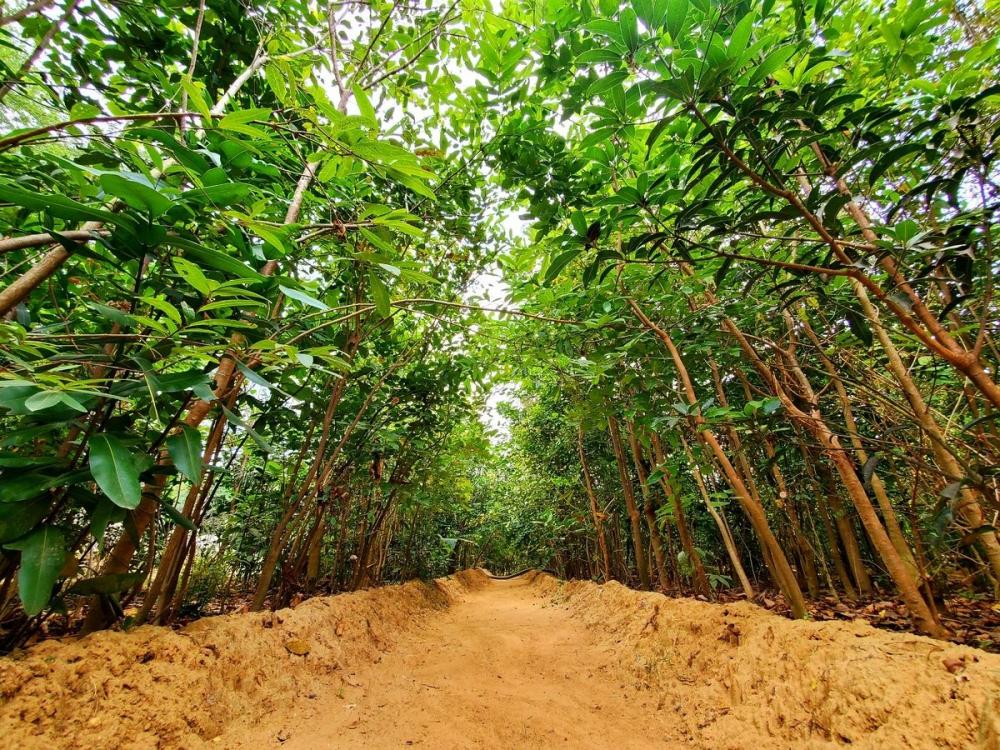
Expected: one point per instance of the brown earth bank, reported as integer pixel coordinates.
(468, 662)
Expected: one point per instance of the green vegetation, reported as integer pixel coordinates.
(749, 323)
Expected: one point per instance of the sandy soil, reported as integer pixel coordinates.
(529, 663)
(503, 669)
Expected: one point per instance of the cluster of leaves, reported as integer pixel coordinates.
(211, 187)
(710, 163)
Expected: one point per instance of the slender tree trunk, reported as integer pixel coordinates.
(878, 488)
(830, 443)
(701, 584)
(800, 546)
(968, 507)
(648, 508)
(226, 379)
(638, 545)
(823, 493)
(595, 511)
(173, 553)
(784, 575)
(720, 522)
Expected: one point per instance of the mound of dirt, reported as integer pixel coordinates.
(158, 688)
(738, 676)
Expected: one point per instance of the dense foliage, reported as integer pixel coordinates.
(750, 322)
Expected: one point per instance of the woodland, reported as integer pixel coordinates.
(302, 297)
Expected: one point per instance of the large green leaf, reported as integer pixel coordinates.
(43, 554)
(217, 195)
(560, 262)
(185, 450)
(629, 29)
(772, 62)
(136, 195)
(114, 470)
(20, 487)
(211, 258)
(112, 583)
(305, 299)
(57, 205)
(676, 15)
(17, 519)
(380, 295)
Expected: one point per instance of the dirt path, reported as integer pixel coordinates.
(529, 664)
(500, 669)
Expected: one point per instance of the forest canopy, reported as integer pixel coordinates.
(301, 297)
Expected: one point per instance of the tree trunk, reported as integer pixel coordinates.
(878, 488)
(701, 584)
(813, 422)
(720, 522)
(784, 576)
(638, 545)
(595, 511)
(648, 508)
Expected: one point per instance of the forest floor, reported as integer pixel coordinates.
(531, 663)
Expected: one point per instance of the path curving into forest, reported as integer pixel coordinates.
(468, 662)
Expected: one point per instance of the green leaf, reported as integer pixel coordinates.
(17, 519)
(43, 554)
(42, 400)
(217, 195)
(771, 63)
(185, 450)
(194, 276)
(258, 379)
(859, 326)
(720, 274)
(136, 194)
(906, 230)
(890, 158)
(676, 15)
(236, 419)
(177, 517)
(380, 295)
(650, 11)
(273, 236)
(239, 121)
(629, 24)
(302, 297)
(105, 513)
(58, 205)
(740, 36)
(206, 256)
(415, 184)
(14, 489)
(364, 105)
(196, 95)
(112, 583)
(114, 470)
(655, 477)
(560, 262)
(276, 80)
